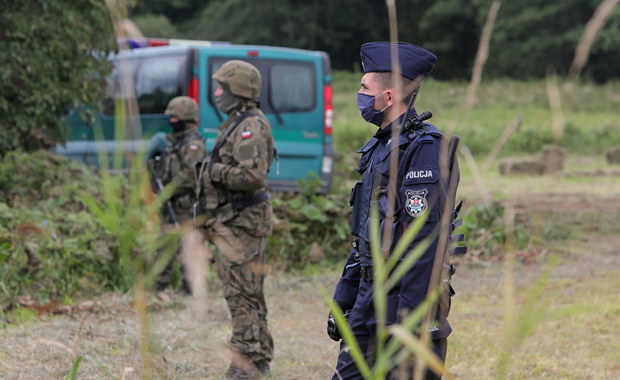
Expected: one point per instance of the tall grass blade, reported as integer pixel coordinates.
(479, 180)
(558, 123)
(508, 131)
(421, 350)
(74, 369)
(380, 293)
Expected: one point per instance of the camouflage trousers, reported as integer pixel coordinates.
(240, 267)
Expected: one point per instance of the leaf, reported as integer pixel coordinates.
(74, 369)
(313, 213)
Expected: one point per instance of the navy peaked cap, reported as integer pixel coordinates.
(414, 60)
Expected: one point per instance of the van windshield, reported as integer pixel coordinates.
(152, 81)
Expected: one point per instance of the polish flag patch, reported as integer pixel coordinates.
(246, 135)
(193, 147)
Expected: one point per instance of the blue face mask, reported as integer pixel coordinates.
(366, 104)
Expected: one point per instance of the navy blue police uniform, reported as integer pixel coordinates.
(419, 190)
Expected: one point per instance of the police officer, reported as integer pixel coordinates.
(417, 190)
(239, 214)
(176, 166)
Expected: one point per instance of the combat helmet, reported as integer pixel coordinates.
(243, 79)
(183, 107)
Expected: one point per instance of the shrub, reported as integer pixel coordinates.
(50, 246)
(49, 63)
(305, 220)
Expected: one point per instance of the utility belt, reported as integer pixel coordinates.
(230, 210)
(367, 271)
(241, 203)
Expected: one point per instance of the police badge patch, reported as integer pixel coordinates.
(416, 203)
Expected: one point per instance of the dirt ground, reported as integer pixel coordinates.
(191, 345)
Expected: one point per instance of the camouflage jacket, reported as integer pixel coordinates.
(178, 164)
(239, 169)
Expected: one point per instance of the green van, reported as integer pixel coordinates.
(296, 97)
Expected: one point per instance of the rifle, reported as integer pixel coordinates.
(415, 121)
(159, 187)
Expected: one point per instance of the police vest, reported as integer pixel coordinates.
(372, 188)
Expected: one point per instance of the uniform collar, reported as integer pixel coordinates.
(386, 133)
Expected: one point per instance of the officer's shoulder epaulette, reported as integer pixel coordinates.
(430, 129)
(405, 139)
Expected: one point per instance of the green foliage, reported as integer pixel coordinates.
(157, 26)
(305, 219)
(589, 111)
(334, 25)
(486, 230)
(178, 11)
(517, 52)
(449, 28)
(456, 55)
(49, 62)
(131, 217)
(74, 369)
(50, 246)
(53, 246)
(20, 316)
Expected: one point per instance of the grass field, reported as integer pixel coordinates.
(562, 328)
(551, 313)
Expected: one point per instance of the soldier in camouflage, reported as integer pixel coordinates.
(176, 166)
(239, 214)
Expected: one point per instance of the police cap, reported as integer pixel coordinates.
(414, 61)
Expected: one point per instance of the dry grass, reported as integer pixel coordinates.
(576, 337)
(575, 340)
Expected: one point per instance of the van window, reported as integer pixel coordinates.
(119, 84)
(156, 81)
(292, 87)
(287, 86)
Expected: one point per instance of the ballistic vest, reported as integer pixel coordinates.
(372, 188)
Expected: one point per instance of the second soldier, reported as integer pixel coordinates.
(175, 166)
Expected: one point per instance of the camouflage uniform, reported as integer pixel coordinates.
(239, 217)
(186, 148)
(179, 160)
(177, 166)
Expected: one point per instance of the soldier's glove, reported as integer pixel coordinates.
(332, 327)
